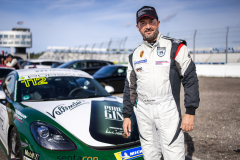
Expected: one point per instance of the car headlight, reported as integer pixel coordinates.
(50, 137)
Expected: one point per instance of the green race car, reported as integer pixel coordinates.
(62, 114)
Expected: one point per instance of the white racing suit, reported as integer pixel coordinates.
(154, 78)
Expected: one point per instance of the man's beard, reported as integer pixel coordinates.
(150, 38)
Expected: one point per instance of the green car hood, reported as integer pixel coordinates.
(96, 122)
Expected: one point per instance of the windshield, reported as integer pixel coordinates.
(58, 88)
(106, 71)
(32, 63)
(64, 65)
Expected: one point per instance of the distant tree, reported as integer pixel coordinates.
(37, 55)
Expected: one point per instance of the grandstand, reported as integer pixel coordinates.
(210, 46)
(202, 55)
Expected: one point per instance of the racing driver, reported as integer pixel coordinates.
(156, 69)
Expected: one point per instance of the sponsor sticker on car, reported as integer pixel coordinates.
(19, 116)
(26, 158)
(31, 154)
(129, 154)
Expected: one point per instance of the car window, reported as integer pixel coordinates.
(61, 87)
(122, 71)
(8, 86)
(106, 71)
(47, 63)
(32, 63)
(93, 64)
(103, 64)
(23, 64)
(79, 65)
(4, 72)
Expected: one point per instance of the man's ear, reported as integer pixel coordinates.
(158, 24)
(137, 27)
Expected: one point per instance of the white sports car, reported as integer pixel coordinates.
(48, 114)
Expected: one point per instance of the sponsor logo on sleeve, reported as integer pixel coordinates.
(31, 154)
(129, 154)
(141, 61)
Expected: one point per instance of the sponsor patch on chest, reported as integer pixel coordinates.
(139, 69)
(141, 53)
(141, 61)
(162, 63)
(161, 51)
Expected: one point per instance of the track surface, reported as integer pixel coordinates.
(217, 122)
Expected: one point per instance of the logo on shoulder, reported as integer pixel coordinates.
(129, 154)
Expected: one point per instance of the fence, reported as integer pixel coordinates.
(200, 42)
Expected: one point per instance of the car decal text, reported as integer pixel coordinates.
(35, 81)
(62, 108)
(31, 154)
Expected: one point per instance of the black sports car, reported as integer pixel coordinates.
(113, 75)
(89, 66)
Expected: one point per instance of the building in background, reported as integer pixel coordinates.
(18, 40)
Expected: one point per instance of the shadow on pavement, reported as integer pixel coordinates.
(189, 146)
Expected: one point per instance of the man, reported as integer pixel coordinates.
(155, 71)
(11, 62)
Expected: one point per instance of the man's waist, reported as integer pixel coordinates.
(155, 99)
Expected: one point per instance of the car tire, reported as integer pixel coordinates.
(14, 147)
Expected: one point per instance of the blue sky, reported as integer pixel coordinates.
(81, 22)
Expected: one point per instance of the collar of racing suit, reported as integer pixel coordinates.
(156, 44)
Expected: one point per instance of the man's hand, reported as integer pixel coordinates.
(187, 122)
(127, 126)
(5, 61)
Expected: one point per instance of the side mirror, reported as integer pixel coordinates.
(2, 96)
(109, 89)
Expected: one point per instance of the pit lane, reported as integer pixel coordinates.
(217, 122)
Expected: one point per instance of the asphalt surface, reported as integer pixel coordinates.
(216, 135)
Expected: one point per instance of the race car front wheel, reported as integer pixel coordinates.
(15, 148)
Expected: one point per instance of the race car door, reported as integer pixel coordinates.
(8, 88)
